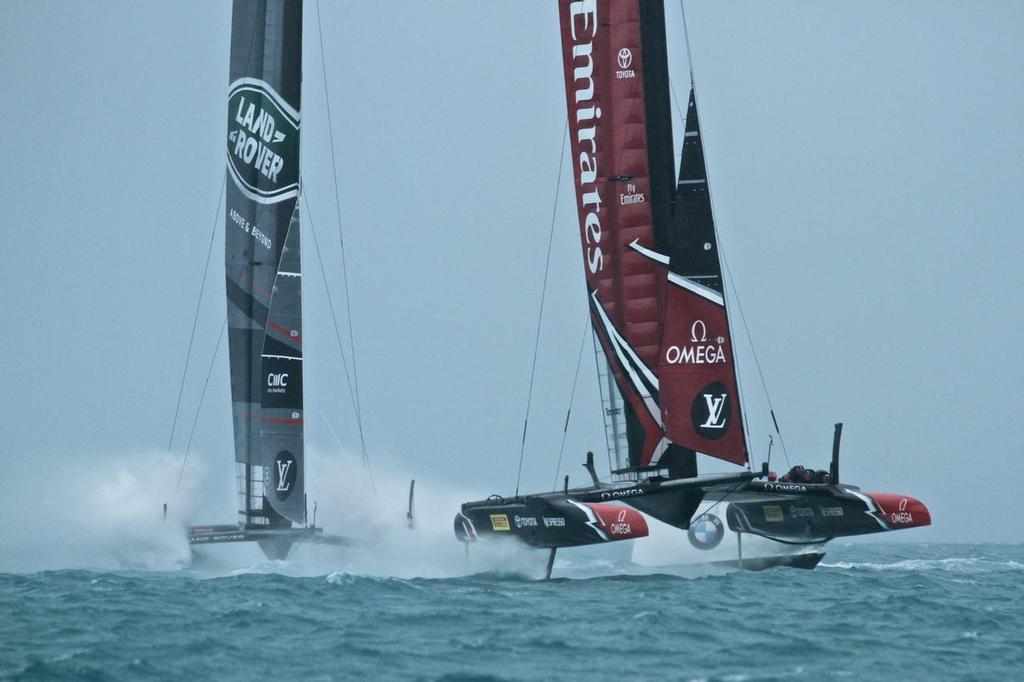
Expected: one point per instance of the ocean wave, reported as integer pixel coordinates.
(949, 564)
(346, 579)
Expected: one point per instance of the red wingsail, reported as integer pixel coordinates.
(605, 97)
(650, 250)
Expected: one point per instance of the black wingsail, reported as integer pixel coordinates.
(263, 266)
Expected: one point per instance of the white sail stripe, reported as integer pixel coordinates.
(659, 450)
(693, 182)
(677, 279)
(282, 273)
(692, 133)
(283, 357)
(619, 344)
(652, 379)
(699, 289)
(653, 255)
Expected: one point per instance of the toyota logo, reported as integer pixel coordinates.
(625, 58)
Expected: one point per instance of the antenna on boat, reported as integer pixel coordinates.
(834, 469)
(686, 35)
(305, 510)
(411, 514)
(589, 466)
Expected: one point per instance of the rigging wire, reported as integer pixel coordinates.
(753, 352)
(728, 492)
(605, 410)
(686, 35)
(572, 397)
(337, 336)
(195, 319)
(202, 397)
(543, 294)
(341, 247)
(725, 261)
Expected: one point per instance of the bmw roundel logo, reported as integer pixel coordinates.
(706, 531)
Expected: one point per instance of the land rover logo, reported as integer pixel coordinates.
(705, 532)
(263, 142)
(711, 411)
(285, 472)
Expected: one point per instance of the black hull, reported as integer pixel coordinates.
(803, 561)
(585, 516)
(801, 513)
(276, 543)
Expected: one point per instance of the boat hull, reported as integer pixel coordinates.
(805, 513)
(551, 522)
(711, 542)
(276, 543)
(586, 516)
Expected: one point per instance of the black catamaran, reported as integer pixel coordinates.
(264, 280)
(660, 319)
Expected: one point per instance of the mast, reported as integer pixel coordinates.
(650, 255)
(262, 260)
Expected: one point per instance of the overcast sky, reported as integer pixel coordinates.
(866, 165)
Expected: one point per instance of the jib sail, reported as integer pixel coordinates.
(646, 283)
(263, 265)
(697, 368)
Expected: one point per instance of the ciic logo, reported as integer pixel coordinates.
(277, 382)
(625, 58)
(706, 532)
(285, 471)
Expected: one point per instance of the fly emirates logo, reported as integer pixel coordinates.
(583, 25)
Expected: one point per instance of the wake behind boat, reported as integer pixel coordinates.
(659, 313)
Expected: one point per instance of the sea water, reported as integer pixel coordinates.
(869, 611)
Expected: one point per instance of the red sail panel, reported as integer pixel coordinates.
(699, 397)
(605, 97)
(700, 402)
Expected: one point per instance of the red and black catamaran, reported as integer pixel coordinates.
(659, 313)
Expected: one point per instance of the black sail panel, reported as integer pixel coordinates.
(262, 263)
(680, 461)
(691, 243)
